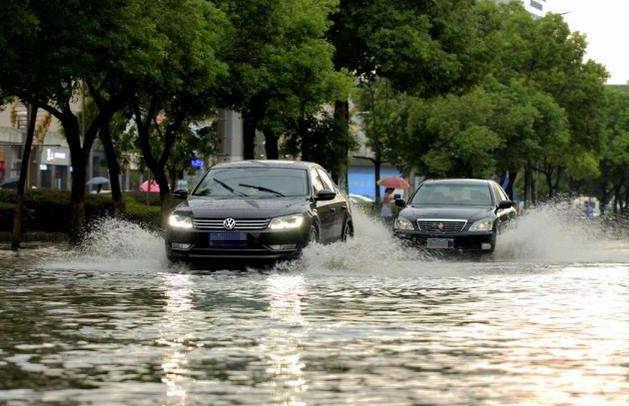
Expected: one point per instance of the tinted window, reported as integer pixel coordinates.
(253, 182)
(317, 183)
(453, 194)
(502, 195)
(327, 182)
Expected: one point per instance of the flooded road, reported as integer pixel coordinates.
(543, 321)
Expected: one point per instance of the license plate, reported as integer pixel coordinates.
(439, 243)
(228, 239)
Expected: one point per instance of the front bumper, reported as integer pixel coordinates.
(191, 245)
(462, 241)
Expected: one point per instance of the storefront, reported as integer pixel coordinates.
(54, 167)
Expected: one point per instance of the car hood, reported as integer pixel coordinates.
(203, 207)
(443, 212)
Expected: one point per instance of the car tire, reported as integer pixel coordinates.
(313, 235)
(348, 230)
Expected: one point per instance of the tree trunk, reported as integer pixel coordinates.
(26, 157)
(164, 193)
(114, 167)
(341, 117)
(77, 197)
(528, 185)
(549, 182)
(377, 163)
(271, 146)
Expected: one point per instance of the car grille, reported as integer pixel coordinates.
(441, 226)
(241, 224)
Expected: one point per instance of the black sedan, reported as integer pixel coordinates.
(455, 214)
(257, 210)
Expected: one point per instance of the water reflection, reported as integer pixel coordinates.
(283, 342)
(174, 334)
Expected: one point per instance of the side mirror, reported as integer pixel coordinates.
(506, 204)
(180, 194)
(400, 203)
(326, 194)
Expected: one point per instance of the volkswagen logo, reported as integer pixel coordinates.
(229, 223)
(440, 226)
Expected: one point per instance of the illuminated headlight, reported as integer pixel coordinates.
(403, 224)
(287, 222)
(482, 225)
(179, 221)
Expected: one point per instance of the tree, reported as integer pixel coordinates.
(379, 106)
(52, 61)
(614, 158)
(176, 77)
(279, 57)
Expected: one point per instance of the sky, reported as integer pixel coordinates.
(606, 24)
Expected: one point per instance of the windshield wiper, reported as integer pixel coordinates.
(262, 189)
(231, 189)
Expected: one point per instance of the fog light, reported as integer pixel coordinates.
(180, 246)
(282, 247)
(485, 246)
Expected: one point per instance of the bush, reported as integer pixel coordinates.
(50, 210)
(147, 216)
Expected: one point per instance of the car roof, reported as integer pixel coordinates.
(459, 181)
(259, 163)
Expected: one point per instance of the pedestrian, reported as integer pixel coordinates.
(386, 211)
(589, 211)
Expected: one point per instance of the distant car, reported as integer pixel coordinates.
(258, 210)
(455, 214)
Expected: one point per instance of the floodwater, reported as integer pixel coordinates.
(543, 321)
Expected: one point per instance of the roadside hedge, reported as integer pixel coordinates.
(50, 210)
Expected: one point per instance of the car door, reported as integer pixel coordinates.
(337, 207)
(324, 208)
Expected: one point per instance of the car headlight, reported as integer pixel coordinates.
(482, 225)
(287, 222)
(403, 224)
(180, 221)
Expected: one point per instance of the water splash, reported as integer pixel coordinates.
(113, 244)
(552, 234)
(558, 234)
(373, 249)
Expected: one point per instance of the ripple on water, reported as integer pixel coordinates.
(368, 322)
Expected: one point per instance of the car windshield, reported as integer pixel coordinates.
(453, 194)
(253, 182)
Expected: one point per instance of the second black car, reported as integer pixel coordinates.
(455, 214)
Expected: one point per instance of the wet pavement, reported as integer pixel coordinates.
(543, 321)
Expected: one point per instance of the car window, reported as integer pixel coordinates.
(453, 194)
(253, 182)
(502, 195)
(317, 183)
(327, 182)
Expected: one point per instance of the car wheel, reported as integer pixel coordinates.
(348, 230)
(313, 235)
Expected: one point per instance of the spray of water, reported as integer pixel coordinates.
(549, 235)
(113, 244)
(557, 234)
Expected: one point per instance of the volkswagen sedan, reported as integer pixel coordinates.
(258, 210)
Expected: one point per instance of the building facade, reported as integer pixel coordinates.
(538, 8)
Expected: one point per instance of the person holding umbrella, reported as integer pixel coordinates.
(390, 184)
(386, 211)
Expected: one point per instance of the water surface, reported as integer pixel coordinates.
(545, 320)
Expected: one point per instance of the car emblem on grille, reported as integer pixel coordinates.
(440, 226)
(229, 223)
